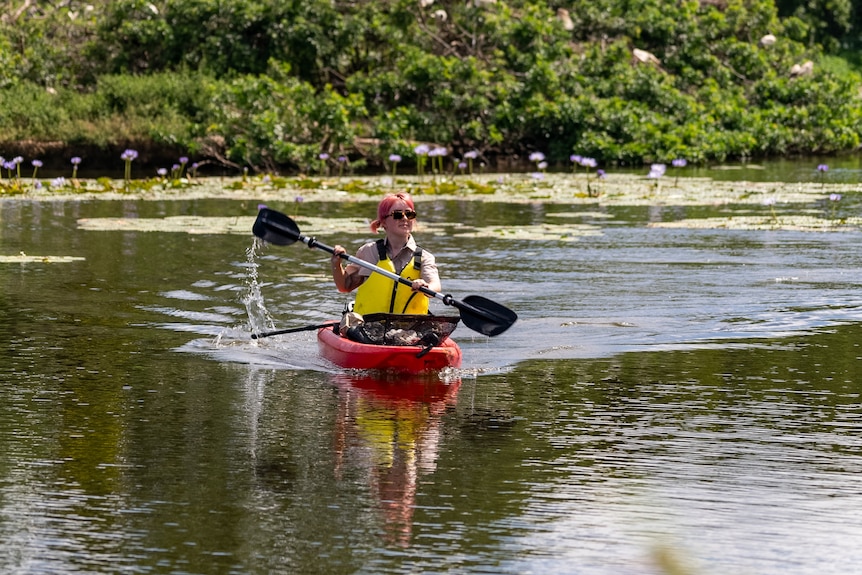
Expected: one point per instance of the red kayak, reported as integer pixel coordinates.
(351, 354)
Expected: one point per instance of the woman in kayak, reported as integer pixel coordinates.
(399, 254)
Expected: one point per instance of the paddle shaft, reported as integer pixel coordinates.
(446, 299)
(291, 330)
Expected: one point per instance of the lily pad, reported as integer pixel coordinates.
(187, 224)
(801, 223)
(541, 232)
(23, 258)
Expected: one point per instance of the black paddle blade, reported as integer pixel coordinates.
(485, 316)
(274, 227)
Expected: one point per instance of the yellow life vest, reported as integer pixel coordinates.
(380, 294)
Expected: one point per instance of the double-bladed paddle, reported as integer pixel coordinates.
(477, 312)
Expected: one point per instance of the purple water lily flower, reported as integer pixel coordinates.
(656, 171)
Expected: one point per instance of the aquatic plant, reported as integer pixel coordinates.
(822, 169)
(470, 156)
(833, 200)
(588, 164)
(182, 168)
(656, 171)
(393, 160)
(600, 175)
(17, 161)
(421, 152)
(76, 161)
(324, 163)
(36, 165)
(439, 153)
(770, 202)
(10, 166)
(128, 157)
(342, 162)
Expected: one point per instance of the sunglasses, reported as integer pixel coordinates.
(399, 214)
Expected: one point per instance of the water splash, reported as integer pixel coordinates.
(259, 318)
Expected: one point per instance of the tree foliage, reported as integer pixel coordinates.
(274, 83)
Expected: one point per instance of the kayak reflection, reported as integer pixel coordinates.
(391, 430)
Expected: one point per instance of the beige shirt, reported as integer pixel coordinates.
(368, 252)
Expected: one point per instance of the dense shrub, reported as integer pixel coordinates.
(274, 83)
(275, 119)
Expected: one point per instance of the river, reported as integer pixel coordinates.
(670, 400)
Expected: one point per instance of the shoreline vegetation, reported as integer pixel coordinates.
(330, 87)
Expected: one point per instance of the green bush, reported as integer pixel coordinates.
(271, 84)
(272, 120)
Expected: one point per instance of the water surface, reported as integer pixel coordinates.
(667, 396)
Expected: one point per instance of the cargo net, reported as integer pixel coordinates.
(399, 329)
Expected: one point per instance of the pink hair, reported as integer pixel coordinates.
(385, 207)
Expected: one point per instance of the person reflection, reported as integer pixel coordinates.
(392, 431)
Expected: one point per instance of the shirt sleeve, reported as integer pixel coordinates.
(429, 267)
(367, 252)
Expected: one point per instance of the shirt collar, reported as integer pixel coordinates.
(411, 244)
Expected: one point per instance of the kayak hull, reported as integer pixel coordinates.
(403, 358)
